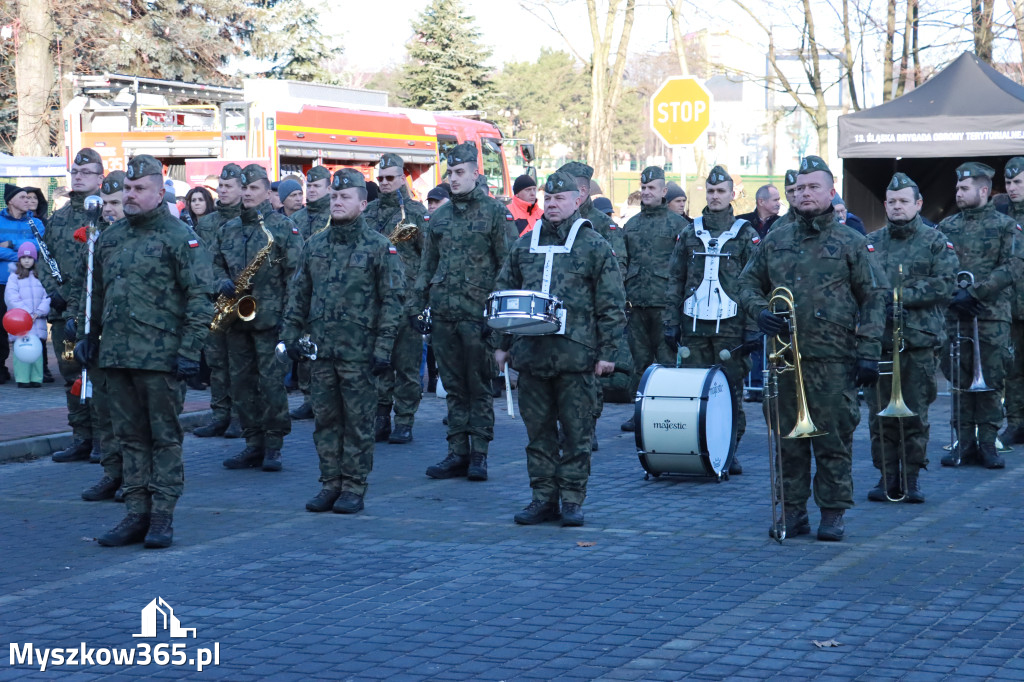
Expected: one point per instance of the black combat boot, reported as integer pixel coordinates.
(271, 460)
(832, 527)
(249, 458)
(348, 503)
(96, 456)
(212, 429)
(382, 424)
(303, 411)
(572, 514)
(628, 425)
(797, 523)
(119, 495)
(914, 493)
(234, 430)
(735, 468)
(324, 499)
(966, 455)
(103, 490)
(990, 459)
(477, 470)
(452, 466)
(78, 451)
(538, 512)
(887, 486)
(131, 531)
(161, 532)
(401, 435)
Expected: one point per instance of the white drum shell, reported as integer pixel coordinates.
(529, 313)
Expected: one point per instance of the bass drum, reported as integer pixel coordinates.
(684, 421)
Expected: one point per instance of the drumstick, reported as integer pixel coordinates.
(508, 393)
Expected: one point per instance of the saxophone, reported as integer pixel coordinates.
(404, 231)
(244, 307)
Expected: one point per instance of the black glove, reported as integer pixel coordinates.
(771, 324)
(672, 334)
(751, 342)
(186, 368)
(85, 352)
(965, 305)
(380, 365)
(865, 373)
(226, 288)
(71, 329)
(419, 324)
(57, 302)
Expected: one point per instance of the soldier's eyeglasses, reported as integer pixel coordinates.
(78, 171)
(387, 178)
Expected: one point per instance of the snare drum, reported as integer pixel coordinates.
(684, 421)
(530, 313)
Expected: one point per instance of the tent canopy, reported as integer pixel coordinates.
(32, 166)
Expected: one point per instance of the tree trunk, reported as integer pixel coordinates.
(908, 24)
(1017, 8)
(916, 47)
(847, 56)
(820, 117)
(890, 35)
(33, 71)
(981, 23)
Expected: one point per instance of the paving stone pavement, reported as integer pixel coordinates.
(434, 581)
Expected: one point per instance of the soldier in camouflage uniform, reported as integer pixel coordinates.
(400, 385)
(86, 178)
(789, 188)
(989, 246)
(257, 378)
(310, 219)
(705, 339)
(603, 224)
(929, 273)
(151, 303)
(650, 239)
(347, 294)
(839, 294)
(1014, 397)
(229, 205)
(466, 242)
(558, 372)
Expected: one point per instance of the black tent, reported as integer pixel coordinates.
(967, 111)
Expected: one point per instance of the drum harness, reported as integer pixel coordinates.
(699, 305)
(549, 257)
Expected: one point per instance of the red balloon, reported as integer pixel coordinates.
(17, 322)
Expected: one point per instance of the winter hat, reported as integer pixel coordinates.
(604, 205)
(28, 249)
(11, 191)
(523, 182)
(674, 192)
(286, 187)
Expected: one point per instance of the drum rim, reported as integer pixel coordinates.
(521, 292)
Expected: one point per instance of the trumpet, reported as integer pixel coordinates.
(964, 279)
(897, 407)
(404, 230)
(781, 302)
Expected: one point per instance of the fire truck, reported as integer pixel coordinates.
(287, 126)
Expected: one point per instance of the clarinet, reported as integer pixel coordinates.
(50, 261)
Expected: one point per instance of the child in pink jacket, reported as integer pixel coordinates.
(25, 291)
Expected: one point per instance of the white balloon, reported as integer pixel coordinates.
(28, 349)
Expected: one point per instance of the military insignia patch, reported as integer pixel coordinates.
(426, 219)
(130, 172)
(1018, 228)
(508, 216)
(193, 243)
(295, 230)
(871, 248)
(755, 239)
(949, 245)
(392, 250)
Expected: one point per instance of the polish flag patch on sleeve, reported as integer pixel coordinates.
(193, 243)
(871, 248)
(426, 219)
(949, 245)
(295, 230)
(755, 239)
(508, 216)
(392, 250)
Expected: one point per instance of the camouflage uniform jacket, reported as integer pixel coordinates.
(607, 228)
(60, 241)
(313, 217)
(383, 214)
(238, 242)
(686, 272)
(588, 282)
(650, 238)
(929, 276)
(347, 294)
(784, 219)
(211, 223)
(1017, 213)
(838, 286)
(467, 241)
(988, 244)
(151, 298)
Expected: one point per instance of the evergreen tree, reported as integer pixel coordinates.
(445, 68)
(287, 34)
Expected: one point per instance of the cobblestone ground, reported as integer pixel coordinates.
(669, 579)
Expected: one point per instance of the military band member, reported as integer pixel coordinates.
(399, 387)
(702, 311)
(989, 246)
(558, 372)
(838, 291)
(602, 223)
(466, 242)
(650, 239)
(929, 274)
(789, 189)
(347, 295)
(1014, 394)
(257, 378)
(151, 303)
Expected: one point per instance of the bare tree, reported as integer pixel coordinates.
(1017, 9)
(33, 77)
(981, 23)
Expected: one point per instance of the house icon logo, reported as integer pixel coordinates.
(159, 611)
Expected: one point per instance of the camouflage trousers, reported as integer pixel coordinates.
(832, 401)
(343, 399)
(401, 385)
(79, 415)
(981, 412)
(257, 387)
(704, 352)
(144, 407)
(917, 378)
(103, 426)
(465, 363)
(1014, 400)
(220, 375)
(647, 342)
(544, 402)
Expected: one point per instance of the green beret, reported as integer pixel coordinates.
(252, 173)
(113, 183)
(347, 178)
(231, 171)
(87, 156)
(651, 173)
(559, 182)
(462, 153)
(318, 173)
(143, 165)
(577, 169)
(1014, 167)
(718, 175)
(390, 160)
(900, 181)
(974, 169)
(790, 178)
(812, 164)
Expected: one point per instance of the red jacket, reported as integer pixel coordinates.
(525, 214)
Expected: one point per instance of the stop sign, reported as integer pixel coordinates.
(680, 110)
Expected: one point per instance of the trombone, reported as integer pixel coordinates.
(964, 279)
(897, 407)
(780, 302)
